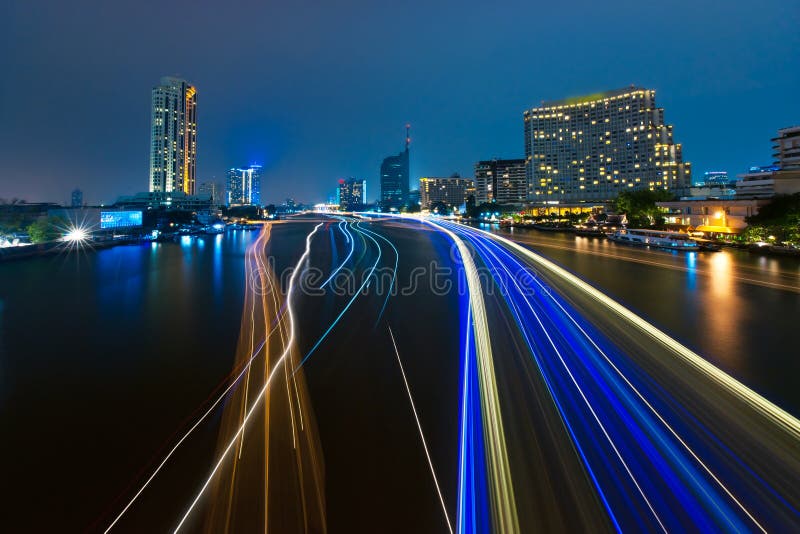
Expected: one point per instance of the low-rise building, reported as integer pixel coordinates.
(766, 182)
(452, 191)
(162, 199)
(713, 216)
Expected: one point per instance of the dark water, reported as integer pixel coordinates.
(101, 357)
(104, 355)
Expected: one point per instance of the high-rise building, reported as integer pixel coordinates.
(501, 180)
(786, 148)
(243, 186)
(452, 191)
(394, 178)
(352, 194)
(593, 147)
(77, 198)
(173, 137)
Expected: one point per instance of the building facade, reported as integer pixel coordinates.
(176, 200)
(452, 191)
(173, 137)
(782, 178)
(501, 180)
(786, 148)
(352, 194)
(243, 186)
(593, 147)
(394, 178)
(712, 216)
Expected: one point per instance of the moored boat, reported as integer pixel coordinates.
(655, 238)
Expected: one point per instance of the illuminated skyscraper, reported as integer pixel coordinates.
(173, 137)
(243, 186)
(394, 178)
(593, 147)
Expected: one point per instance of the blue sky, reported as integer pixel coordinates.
(317, 91)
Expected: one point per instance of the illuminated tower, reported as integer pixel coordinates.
(243, 186)
(173, 136)
(394, 177)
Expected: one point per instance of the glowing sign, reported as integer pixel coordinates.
(120, 219)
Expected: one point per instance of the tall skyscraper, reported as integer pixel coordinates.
(352, 194)
(452, 191)
(501, 180)
(243, 186)
(593, 147)
(173, 137)
(394, 178)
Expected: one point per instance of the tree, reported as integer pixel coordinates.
(46, 229)
(439, 207)
(413, 207)
(640, 206)
(779, 218)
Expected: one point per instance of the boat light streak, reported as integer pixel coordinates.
(262, 392)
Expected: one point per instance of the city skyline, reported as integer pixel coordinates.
(724, 102)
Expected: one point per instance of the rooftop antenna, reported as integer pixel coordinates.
(408, 135)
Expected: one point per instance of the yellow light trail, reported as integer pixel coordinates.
(421, 434)
(261, 394)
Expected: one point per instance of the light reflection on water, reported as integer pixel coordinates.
(691, 264)
(724, 309)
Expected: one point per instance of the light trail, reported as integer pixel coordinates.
(394, 272)
(231, 385)
(262, 392)
(502, 491)
(348, 239)
(421, 433)
(779, 416)
(590, 408)
(488, 246)
(366, 282)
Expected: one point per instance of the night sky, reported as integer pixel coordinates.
(320, 90)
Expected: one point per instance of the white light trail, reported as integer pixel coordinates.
(421, 434)
(633, 388)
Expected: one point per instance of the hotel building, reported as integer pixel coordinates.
(173, 137)
(593, 147)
